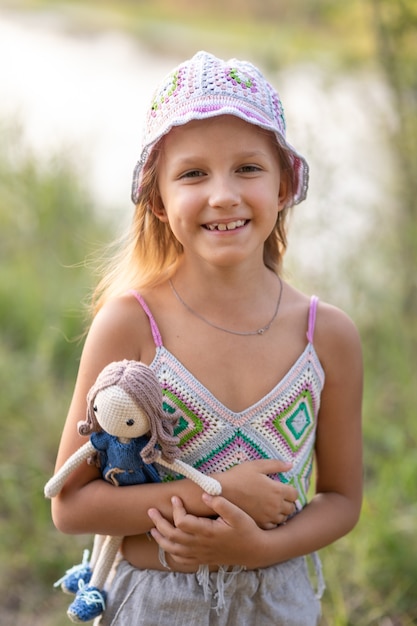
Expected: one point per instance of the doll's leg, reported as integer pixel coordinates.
(108, 552)
(75, 576)
(70, 582)
(97, 547)
(90, 600)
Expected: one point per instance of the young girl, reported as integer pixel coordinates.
(263, 377)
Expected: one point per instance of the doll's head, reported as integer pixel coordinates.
(121, 387)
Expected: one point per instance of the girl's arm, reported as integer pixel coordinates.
(88, 504)
(234, 538)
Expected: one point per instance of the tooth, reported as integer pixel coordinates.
(229, 226)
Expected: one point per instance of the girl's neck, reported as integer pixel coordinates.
(209, 288)
(259, 330)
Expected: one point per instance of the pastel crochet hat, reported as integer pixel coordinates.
(205, 87)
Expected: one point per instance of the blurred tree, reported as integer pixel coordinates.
(395, 24)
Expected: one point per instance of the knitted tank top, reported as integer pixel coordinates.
(282, 425)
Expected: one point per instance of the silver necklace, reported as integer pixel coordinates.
(260, 331)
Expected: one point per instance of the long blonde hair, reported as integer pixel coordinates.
(149, 253)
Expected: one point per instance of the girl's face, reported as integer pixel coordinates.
(220, 186)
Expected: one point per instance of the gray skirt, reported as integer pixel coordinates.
(281, 595)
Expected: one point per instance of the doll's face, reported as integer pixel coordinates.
(119, 415)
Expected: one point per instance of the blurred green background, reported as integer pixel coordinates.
(52, 220)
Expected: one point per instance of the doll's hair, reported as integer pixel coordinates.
(142, 385)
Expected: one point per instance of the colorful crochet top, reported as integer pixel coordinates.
(281, 425)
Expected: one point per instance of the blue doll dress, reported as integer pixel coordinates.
(121, 463)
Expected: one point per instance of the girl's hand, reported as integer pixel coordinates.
(230, 539)
(249, 486)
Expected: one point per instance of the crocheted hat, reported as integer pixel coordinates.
(205, 87)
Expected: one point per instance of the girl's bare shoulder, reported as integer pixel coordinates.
(337, 338)
(335, 333)
(334, 323)
(123, 326)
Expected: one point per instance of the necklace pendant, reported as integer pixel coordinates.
(260, 331)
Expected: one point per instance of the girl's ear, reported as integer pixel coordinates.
(158, 210)
(283, 192)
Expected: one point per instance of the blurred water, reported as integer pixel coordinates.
(88, 92)
(85, 93)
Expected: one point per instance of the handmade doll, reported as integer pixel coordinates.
(130, 431)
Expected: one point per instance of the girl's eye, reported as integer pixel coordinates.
(249, 168)
(192, 174)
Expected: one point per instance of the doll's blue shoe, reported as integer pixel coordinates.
(88, 604)
(70, 582)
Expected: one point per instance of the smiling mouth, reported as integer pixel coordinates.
(229, 226)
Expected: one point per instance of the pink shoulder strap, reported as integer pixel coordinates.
(312, 318)
(154, 327)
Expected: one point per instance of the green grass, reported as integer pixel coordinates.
(47, 227)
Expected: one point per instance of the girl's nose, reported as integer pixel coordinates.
(224, 193)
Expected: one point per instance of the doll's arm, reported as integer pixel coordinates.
(55, 484)
(208, 484)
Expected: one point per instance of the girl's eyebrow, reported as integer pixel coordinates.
(250, 154)
(190, 159)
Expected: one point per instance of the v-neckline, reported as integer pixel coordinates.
(238, 415)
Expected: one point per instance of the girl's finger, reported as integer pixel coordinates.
(229, 513)
(178, 510)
